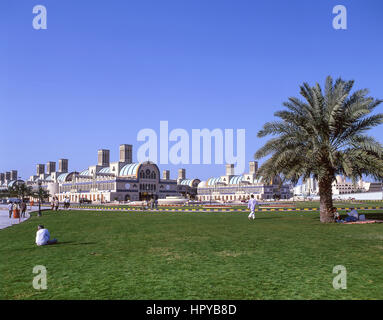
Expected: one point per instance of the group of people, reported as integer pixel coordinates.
(150, 204)
(66, 203)
(55, 203)
(14, 208)
(352, 216)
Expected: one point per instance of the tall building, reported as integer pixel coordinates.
(63, 165)
(51, 167)
(14, 175)
(103, 157)
(40, 169)
(230, 169)
(181, 174)
(126, 153)
(166, 174)
(253, 167)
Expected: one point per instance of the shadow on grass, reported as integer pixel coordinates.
(267, 218)
(73, 243)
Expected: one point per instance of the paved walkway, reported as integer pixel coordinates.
(4, 217)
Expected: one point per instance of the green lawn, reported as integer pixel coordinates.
(114, 255)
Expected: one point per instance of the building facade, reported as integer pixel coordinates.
(7, 179)
(340, 186)
(232, 187)
(107, 181)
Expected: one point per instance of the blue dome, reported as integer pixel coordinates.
(49, 178)
(213, 181)
(187, 182)
(85, 173)
(235, 179)
(14, 182)
(11, 184)
(129, 169)
(62, 177)
(105, 170)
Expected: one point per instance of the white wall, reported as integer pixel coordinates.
(361, 196)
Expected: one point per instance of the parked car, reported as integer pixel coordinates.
(85, 201)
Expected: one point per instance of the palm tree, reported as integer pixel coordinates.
(322, 136)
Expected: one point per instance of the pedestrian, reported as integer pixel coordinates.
(10, 209)
(23, 208)
(53, 203)
(14, 208)
(251, 205)
(56, 204)
(67, 203)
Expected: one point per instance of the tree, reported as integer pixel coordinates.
(4, 193)
(20, 190)
(322, 136)
(41, 194)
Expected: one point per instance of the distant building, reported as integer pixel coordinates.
(109, 181)
(339, 186)
(8, 179)
(342, 186)
(230, 187)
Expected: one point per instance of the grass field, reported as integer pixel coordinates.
(115, 255)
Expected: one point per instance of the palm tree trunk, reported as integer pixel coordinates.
(325, 194)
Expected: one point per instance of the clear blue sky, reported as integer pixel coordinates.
(103, 70)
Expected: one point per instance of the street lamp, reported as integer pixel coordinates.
(39, 195)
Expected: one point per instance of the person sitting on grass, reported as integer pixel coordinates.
(336, 214)
(43, 236)
(353, 216)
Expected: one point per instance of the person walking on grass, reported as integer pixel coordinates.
(251, 205)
